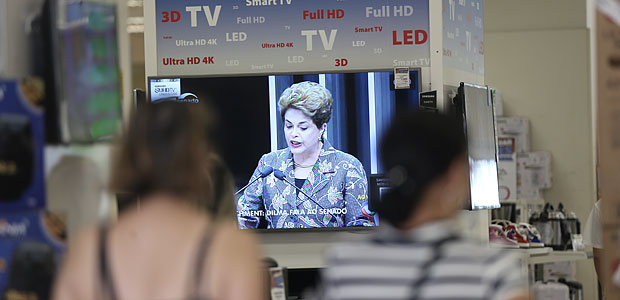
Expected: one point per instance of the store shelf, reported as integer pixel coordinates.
(548, 255)
(538, 201)
(533, 252)
(559, 256)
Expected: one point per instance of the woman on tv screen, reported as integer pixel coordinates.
(309, 183)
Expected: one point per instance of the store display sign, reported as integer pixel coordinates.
(507, 167)
(167, 88)
(401, 78)
(428, 99)
(463, 35)
(195, 37)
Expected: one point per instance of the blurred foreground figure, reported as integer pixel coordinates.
(181, 241)
(416, 252)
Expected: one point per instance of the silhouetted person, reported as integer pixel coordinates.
(417, 253)
(172, 246)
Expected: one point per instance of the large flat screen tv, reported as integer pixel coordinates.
(474, 108)
(87, 70)
(249, 126)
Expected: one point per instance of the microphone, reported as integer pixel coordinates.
(263, 173)
(280, 175)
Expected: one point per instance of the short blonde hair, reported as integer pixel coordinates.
(314, 100)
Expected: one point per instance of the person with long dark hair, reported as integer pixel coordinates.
(179, 241)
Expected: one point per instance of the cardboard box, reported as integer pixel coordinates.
(533, 174)
(507, 168)
(528, 185)
(538, 167)
(516, 127)
(29, 239)
(22, 185)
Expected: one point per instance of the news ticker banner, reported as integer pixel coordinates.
(199, 37)
(463, 35)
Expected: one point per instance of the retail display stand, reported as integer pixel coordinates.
(534, 256)
(443, 40)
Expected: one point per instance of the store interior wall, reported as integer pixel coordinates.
(538, 54)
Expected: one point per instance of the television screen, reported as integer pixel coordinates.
(261, 146)
(88, 70)
(478, 115)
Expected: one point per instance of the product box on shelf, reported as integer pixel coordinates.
(550, 291)
(516, 127)
(22, 139)
(525, 187)
(538, 166)
(507, 168)
(31, 242)
(533, 174)
(553, 271)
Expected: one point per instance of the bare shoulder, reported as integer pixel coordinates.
(76, 279)
(236, 267)
(232, 241)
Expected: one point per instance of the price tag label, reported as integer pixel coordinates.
(401, 78)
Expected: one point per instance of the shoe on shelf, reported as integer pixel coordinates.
(512, 230)
(500, 222)
(533, 236)
(497, 238)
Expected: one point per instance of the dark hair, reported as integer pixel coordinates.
(417, 149)
(221, 188)
(166, 149)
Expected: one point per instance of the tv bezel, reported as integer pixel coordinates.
(149, 78)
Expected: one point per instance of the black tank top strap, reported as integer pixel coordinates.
(201, 256)
(108, 291)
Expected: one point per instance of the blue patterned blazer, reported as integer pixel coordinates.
(337, 182)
